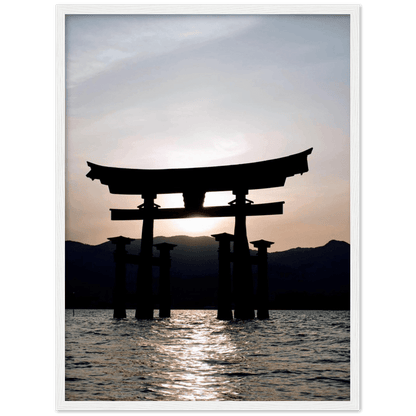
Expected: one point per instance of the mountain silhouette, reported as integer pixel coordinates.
(300, 278)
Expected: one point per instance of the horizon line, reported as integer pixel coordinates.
(204, 236)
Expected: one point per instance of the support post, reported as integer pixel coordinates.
(224, 278)
(164, 278)
(262, 279)
(144, 296)
(119, 294)
(242, 275)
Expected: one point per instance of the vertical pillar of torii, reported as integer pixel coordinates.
(262, 297)
(224, 278)
(242, 275)
(144, 296)
(119, 294)
(164, 278)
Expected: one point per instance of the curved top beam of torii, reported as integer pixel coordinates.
(258, 175)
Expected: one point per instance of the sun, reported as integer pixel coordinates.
(196, 226)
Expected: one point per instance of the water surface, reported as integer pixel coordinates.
(295, 355)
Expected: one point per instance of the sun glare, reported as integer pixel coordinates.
(196, 225)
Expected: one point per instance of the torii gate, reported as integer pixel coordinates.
(193, 183)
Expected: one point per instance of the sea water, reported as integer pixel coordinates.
(294, 355)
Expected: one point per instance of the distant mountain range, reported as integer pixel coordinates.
(300, 278)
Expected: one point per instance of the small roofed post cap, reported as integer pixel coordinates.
(262, 243)
(223, 237)
(165, 246)
(120, 240)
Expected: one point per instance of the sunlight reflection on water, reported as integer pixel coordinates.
(296, 355)
(194, 361)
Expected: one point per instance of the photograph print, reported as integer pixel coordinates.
(208, 239)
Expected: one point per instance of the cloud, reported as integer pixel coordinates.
(97, 43)
(191, 33)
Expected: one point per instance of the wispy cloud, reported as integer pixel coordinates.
(96, 42)
(196, 32)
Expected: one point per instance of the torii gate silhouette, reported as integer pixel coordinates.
(193, 183)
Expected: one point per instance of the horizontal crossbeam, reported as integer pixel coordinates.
(273, 208)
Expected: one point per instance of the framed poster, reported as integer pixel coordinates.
(200, 108)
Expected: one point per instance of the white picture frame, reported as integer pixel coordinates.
(354, 12)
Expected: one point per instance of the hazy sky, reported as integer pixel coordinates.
(186, 91)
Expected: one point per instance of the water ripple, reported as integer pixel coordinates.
(295, 355)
